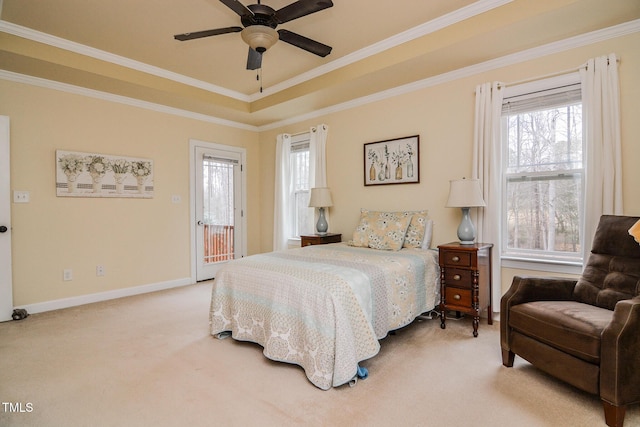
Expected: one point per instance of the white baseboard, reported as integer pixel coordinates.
(104, 296)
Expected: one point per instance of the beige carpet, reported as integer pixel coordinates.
(148, 360)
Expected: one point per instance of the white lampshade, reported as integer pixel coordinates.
(320, 198)
(259, 37)
(465, 193)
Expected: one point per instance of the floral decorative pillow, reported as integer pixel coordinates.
(360, 233)
(416, 231)
(381, 230)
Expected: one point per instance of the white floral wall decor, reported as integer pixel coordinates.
(394, 161)
(102, 175)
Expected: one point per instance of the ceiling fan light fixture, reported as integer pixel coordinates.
(259, 37)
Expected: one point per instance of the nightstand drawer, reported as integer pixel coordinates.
(456, 258)
(457, 297)
(457, 277)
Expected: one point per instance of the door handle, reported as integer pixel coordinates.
(3, 229)
(200, 223)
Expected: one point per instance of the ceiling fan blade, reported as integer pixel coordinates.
(304, 43)
(301, 8)
(206, 33)
(254, 60)
(237, 7)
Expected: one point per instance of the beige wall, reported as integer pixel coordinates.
(139, 241)
(144, 242)
(443, 117)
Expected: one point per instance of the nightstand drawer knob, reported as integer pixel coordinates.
(455, 259)
(457, 297)
(457, 277)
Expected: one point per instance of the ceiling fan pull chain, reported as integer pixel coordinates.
(259, 77)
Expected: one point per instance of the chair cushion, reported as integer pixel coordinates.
(608, 279)
(569, 326)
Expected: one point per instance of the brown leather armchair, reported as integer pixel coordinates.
(585, 332)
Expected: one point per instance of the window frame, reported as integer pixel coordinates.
(523, 259)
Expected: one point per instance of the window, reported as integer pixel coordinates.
(299, 197)
(543, 175)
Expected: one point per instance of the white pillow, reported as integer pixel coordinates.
(428, 233)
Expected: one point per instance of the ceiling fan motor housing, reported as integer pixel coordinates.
(262, 15)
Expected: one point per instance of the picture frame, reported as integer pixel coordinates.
(392, 161)
(101, 175)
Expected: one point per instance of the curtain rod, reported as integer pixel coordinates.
(546, 76)
(299, 133)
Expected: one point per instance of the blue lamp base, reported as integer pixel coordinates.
(321, 225)
(466, 230)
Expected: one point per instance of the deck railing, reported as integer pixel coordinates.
(218, 243)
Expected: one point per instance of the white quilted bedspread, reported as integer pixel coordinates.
(323, 307)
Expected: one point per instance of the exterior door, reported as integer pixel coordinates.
(6, 284)
(218, 209)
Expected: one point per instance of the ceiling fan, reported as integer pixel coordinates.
(259, 32)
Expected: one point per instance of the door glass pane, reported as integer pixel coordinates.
(218, 210)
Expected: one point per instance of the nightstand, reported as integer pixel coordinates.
(320, 239)
(465, 280)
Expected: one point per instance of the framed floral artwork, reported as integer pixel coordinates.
(100, 175)
(394, 161)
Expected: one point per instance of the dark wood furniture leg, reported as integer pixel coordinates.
(613, 415)
(507, 358)
(443, 309)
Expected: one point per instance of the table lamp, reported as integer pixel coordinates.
(465, 194)
(321, 198)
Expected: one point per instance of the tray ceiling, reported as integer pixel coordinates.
(126, 48)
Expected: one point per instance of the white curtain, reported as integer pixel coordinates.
(318, 163)
(317, 178)
(318, 155)
(486, 166)
(601, 111)
(281, 212)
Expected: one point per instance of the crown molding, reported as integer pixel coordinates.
(413, 33)
(616, 31)
(81, 49)
(91, 93)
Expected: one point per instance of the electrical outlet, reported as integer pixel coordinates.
(20, 197)
(67, 275)
(100, 270)
(176, 198)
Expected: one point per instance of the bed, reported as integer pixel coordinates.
(326, 307)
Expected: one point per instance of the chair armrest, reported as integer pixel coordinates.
(527, 289)
(620, 353)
